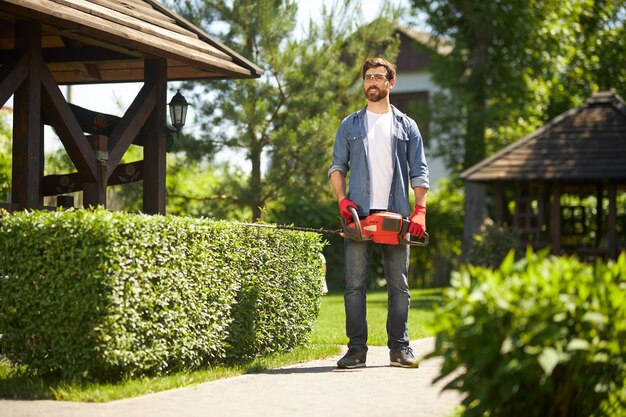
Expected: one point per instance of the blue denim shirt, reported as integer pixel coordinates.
(409, 164)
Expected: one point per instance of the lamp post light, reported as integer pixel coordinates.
(178, 111)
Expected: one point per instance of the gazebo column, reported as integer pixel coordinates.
(95, 193)
(475, 213)
(599, 215)
(612, 221)
(27, 130)
(155, 74)
(555, 218)
(499, 203)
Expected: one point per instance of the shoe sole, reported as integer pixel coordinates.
(404, 365)
(358, 365)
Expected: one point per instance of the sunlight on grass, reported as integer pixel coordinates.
(327, 337)
(330, 326)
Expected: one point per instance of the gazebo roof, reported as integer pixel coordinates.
(98, 41)
(586, 143)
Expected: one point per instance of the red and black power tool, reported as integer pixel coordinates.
(382, 227)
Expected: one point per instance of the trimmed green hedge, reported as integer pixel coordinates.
(540, 337)
(102, 295)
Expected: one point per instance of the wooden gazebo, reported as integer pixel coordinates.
(562, 185)
(47, 43)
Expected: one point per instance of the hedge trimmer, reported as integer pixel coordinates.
(383, 227)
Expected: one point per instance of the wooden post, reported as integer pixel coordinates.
(27, 130)
(475, 213)
(155, 73)
(555, 219)
(499, 203)
(599, 216)
(612, 221)
(95, 193)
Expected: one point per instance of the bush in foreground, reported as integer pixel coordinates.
(542, 337)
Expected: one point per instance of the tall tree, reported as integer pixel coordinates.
(592, 54)
(514, 64)
(284, 122)
(485, 75)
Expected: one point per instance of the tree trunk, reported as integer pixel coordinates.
(475, 149)
(256, 202)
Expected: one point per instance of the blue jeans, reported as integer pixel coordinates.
(395, 266)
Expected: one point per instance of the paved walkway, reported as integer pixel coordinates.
(310, 389)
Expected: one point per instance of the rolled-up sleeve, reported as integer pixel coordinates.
(418, 167)
(341, 152)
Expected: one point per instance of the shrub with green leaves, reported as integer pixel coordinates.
(276, 314)
(492, 243)
(102, 295)
(542, 337)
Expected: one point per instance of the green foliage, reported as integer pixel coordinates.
(103, 295)
(516, 64)
(491, 244)
(284, 123)
(200, 189)
(544, 332)
(592, 53)
(5, 158)
(433, 264)
(278, 298)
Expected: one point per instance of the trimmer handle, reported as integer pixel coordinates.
(408, 239)
(414, 240)
(356, 232)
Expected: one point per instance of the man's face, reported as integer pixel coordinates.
(376, 85)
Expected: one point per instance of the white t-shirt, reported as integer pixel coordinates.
(380, 159)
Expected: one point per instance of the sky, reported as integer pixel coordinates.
(115, 98)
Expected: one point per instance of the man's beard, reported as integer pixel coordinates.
(375, 94)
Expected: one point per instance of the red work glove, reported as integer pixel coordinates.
(343, 208)
(417, 227)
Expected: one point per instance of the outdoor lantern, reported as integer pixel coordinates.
(178, 111)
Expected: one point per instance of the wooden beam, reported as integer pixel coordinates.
(67, 127)
(128, 127)
(27, 163)
(12, 76)
(81, 55)
(89, 70)
(154, 145)
(68, 183)
(113, 28)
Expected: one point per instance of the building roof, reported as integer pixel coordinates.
(96, 41)
(584, 143)
(433, 43)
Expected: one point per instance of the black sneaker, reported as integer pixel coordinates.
(355, 358)
(403, 357)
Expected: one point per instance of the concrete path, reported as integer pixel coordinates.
(310, 389)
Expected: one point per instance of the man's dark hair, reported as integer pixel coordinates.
(379, 62)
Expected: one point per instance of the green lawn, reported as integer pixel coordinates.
(328, 334)
(330, 326)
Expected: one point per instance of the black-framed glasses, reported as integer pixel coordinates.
(374, 77)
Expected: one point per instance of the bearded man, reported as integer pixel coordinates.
(382, 148)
